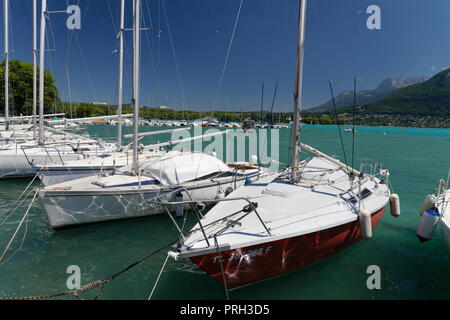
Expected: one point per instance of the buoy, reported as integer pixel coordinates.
(254, 159)
(428, 203)
(365, 223)
(179, 208)
(394, 201)
(427, 224)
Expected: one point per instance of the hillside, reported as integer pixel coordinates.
(430, 98)
(363, 97)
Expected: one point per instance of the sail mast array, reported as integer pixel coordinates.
(136, 60)
(41, 73)
(6, 39)
(34, 68)
(295, 160)
(120, 87)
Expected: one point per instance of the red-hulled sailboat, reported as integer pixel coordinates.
(290, 219)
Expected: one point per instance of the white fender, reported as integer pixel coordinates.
(427, 224)
(428, 203)
(365, 223)
(179, 208)
(394, 201)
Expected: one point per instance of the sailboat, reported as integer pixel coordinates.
(125, 194)
(289, 220)
(54, 172)
(436, 210)
(20, 150)
(106, 163)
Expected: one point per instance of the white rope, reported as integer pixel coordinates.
(20, 203)
(21, 243)
(24, 191)
(157, 280)
(18, 227)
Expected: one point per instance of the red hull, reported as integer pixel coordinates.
(259, 262)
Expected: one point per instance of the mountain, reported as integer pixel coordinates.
(431, 98)
(363, 97)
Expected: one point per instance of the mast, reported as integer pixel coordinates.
(34, 68)
(6, 38)
(120, 97)
(41, 73)
(136, 59)
(262, 101)
(295, 160)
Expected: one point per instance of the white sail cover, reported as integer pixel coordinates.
(177, 167)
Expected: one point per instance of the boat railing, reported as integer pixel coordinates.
(23, 148)
(251, 208)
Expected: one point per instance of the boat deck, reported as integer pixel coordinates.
(323, 199)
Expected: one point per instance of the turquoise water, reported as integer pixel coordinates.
(417, 159)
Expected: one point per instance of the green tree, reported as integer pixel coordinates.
(21, 88)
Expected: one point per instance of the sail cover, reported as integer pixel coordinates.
(177, 167)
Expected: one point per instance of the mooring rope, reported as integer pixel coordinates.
(94, 284)
(18, 227)
(19, 201)
(159, 276)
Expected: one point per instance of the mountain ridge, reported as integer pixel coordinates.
(364, 97)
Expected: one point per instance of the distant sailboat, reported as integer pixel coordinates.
(290, 220)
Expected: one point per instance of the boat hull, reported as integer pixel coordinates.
(17, 165)
(73, 210)
(445, 227)
(255, 263)
(52, 176)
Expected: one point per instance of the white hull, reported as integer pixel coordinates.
(445, 227)
(18, 162)
(17, 165)
(50, 177)
(445, 220)
(125, 195)
(67, 211)
(72, 170)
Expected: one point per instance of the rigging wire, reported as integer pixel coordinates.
(148, 42)
(353, 119)
(219, 87)
(338, 124)
(174, 53)
(85, 68)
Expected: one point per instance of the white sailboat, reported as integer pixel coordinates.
(19, 150)
(104, 164)
(126, 194)
(436, 210)
(290, 220)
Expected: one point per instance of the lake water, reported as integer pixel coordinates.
(416, 158)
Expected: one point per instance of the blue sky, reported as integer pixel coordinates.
(413, 41)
